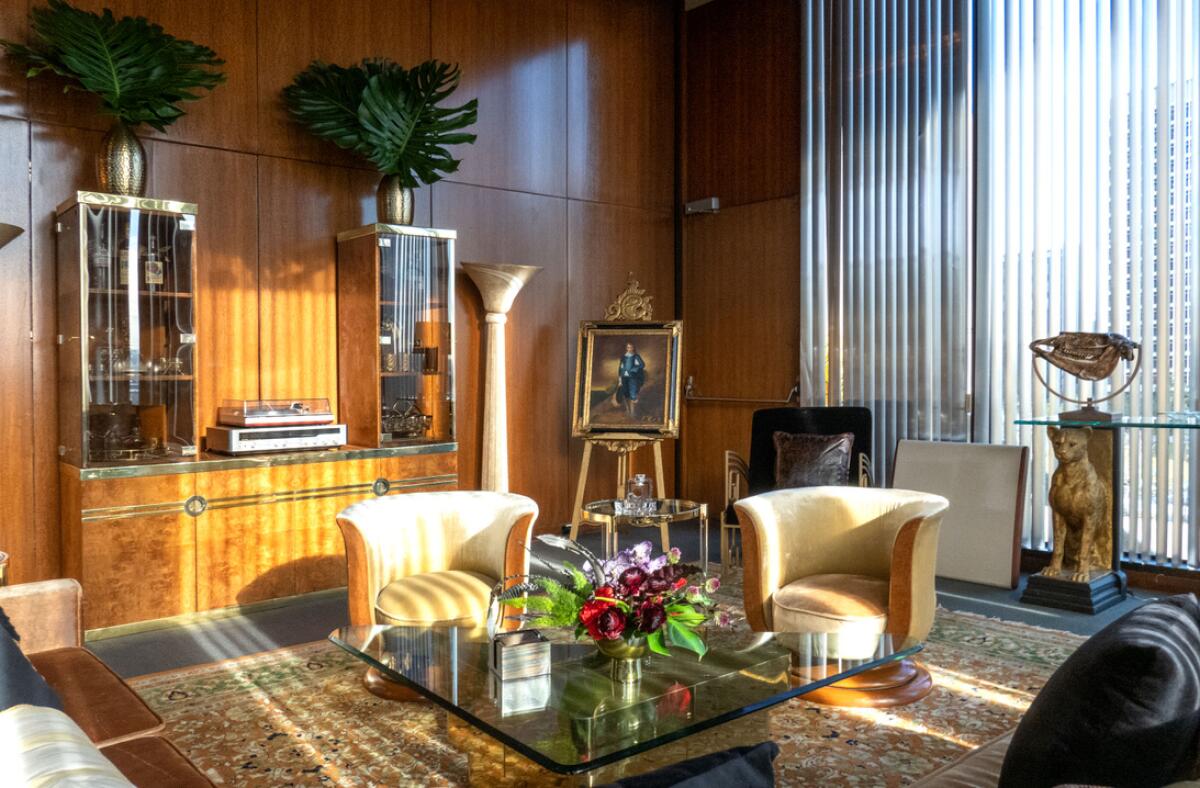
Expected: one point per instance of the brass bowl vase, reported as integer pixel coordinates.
(626, 655)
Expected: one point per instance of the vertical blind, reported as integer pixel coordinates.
(887, 315)
(1087, 220)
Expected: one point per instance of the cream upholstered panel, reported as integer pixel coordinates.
(842, 530)
(46, 614)
(43, 747)
(403, 535)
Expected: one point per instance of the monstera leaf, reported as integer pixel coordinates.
(140, 73)
(390, 116)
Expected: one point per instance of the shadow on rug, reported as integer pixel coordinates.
(299, 716)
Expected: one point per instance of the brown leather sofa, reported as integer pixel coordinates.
(47, 616)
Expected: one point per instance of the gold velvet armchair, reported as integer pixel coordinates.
(433, 558)
(423, 559)
(854, 561)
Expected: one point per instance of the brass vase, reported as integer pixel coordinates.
(121, 168)
(394, 201)
(626, 655)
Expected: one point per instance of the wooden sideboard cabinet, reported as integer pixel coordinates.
(152, 541)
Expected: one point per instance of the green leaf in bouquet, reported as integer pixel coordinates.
(682, 635)
(656, 643)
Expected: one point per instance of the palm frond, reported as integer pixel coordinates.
(404, 131)
(325, 98)
(139, 71)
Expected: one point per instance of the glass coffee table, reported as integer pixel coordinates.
(577, 719)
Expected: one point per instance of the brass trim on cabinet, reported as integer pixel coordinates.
(211, 462)
(126, 201)
(395, 229)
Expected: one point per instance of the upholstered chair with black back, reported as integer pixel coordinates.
(857, 562)
(820, 446)
(432, 559)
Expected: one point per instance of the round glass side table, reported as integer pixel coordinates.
(611, 514)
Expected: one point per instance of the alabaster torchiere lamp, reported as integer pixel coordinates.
(499, 285)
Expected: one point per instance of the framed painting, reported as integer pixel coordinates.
(627, 378)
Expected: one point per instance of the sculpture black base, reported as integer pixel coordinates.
(1101, 592)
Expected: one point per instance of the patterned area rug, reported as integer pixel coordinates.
(299, 716)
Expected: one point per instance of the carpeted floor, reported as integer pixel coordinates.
(299, 716)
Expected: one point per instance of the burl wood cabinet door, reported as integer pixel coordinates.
(134, 549)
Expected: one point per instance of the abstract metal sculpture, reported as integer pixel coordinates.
(1088, 356)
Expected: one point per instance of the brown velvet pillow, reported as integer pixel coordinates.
(804, 460)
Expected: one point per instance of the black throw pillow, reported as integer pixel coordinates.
(1123, 710)
(19, 681)
(804, 460)
(744, 767)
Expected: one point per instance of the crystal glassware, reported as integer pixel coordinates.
(639, 492)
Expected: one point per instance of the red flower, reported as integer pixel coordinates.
(602, 619)
(631, 580)
(675, 702)
(651, 616)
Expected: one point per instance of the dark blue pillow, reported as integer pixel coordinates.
(19, 682)
(7, 626)
(744, 767)
(1123, 710)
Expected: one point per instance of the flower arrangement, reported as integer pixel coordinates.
(630, 597)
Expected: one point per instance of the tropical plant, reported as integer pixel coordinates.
(630, 595)
(387, 114)
(140, 73)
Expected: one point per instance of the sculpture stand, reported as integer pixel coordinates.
(499, 285)
(1104, 588)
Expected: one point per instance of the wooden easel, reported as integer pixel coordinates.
(633, 305)
(622, 445)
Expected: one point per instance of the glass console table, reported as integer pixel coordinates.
(1105, 449)
(577, 719)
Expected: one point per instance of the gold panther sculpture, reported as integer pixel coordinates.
(1082, 505)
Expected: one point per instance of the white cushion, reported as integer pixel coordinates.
(42, 747)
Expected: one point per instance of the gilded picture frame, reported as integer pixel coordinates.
(627, 378)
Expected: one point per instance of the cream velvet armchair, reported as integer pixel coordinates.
(858, 562)
(433, 558)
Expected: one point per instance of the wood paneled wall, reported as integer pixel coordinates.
(573, 171)
(741, 278)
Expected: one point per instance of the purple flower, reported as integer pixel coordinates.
(723, 619)
(674, 555)
(712, 584)
(694, 594)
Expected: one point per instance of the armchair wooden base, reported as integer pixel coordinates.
(897, 684)
(381, 686)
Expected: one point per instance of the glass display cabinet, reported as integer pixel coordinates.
(125, 329)
(396, 335)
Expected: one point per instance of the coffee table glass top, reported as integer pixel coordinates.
(577, 718)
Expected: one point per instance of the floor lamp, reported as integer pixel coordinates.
(499, 285)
